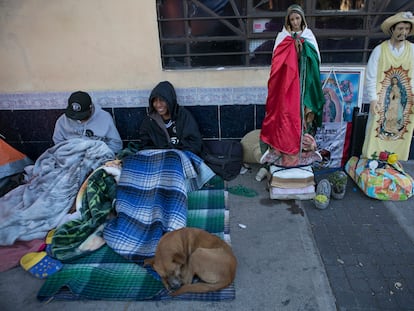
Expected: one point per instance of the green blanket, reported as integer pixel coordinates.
(96, 206)
(105, 275)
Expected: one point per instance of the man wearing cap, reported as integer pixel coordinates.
(84, 119)
(390, 85)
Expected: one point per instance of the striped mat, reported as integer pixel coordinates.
(105, 275)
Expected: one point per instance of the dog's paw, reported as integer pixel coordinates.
(148, 262)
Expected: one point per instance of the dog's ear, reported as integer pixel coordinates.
(179, 258)
(149, 262)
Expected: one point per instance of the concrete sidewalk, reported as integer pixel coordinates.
(279, 267)
(367, 247)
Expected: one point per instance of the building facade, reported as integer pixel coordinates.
(216, 53)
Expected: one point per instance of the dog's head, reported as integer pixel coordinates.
(168, 268)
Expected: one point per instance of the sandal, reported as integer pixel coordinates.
(40, 264)
(47, 245)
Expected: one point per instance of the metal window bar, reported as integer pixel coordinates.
(240, 29)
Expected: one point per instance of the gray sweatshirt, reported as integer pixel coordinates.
(99, 126)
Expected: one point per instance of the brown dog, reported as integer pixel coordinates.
(188, 252)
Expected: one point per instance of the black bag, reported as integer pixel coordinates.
(359, 123)
(224, 157)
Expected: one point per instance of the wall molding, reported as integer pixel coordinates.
(136, 98)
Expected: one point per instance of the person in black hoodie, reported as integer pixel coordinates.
(168, 125)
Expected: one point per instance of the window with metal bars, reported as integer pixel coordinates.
(241, 33)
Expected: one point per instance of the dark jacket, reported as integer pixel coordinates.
(153, 133)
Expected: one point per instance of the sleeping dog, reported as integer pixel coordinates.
(188, 252)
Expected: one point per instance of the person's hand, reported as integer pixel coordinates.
(298, 45)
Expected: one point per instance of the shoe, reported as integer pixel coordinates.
(269, 157)
(49, 236)
(47, 245)
(40, 264)
(245, 168)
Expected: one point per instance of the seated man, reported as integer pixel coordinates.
(151, 196)
(168, 125)
(84, 119)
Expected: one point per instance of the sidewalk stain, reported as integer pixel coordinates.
(294, 208)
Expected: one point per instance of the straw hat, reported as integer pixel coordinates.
(406, 17)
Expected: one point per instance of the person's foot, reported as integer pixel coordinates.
(316, 156)
(269, 157)
(310, 157)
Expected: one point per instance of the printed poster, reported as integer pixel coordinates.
(342, 89)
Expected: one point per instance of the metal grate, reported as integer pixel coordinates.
(219, 33)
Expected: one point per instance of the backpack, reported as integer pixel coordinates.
(224, 157)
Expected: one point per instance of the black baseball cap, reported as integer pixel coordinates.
(79, 106)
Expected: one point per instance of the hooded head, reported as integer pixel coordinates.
(164, 90)
(295, 8)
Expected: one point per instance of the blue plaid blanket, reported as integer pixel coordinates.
(105, 275)
(151, 199)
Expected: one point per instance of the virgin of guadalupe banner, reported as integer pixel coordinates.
(341, 89)
(390, 127)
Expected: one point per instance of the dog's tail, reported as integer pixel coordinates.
(200, 287)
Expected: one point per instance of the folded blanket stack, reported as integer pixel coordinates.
(296, 183)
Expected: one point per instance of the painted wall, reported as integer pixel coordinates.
(65, 45)
(50, 48)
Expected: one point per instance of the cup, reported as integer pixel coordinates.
(261, 174)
